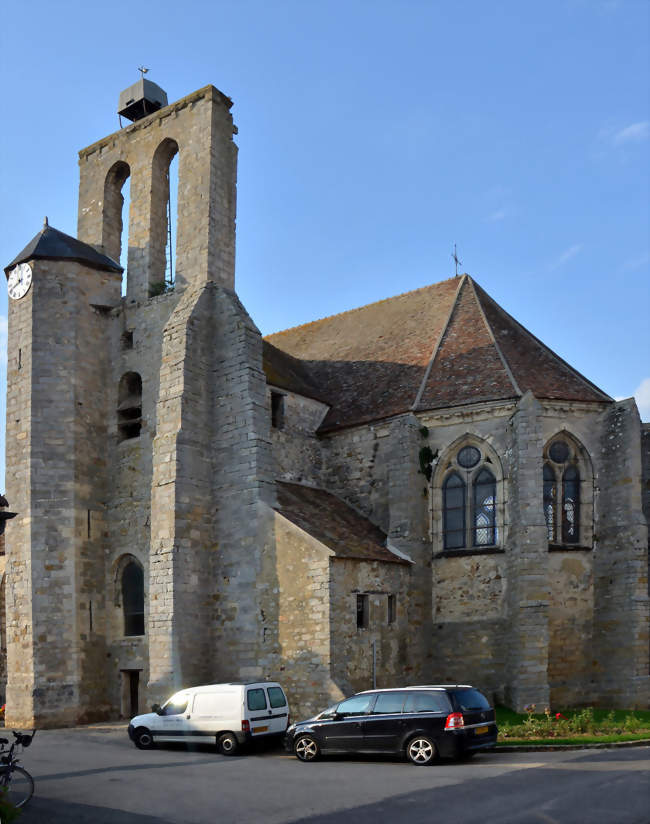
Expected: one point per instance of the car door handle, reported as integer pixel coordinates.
(188, 717)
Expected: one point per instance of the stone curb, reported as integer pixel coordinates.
(643, 742)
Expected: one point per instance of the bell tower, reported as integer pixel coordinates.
(137, 433)
(199, 128)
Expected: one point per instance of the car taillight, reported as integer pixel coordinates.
(454, 721)
(245, 726)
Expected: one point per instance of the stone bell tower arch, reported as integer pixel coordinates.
(199, 128)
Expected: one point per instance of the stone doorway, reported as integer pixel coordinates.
(130, 693)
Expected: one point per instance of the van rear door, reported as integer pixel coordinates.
(266, 709)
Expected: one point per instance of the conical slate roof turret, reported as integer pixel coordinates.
(51, 244)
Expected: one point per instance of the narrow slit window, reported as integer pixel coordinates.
(133, 598)
(129, 409)
(277, 410)
(392, 611)
(362, 611)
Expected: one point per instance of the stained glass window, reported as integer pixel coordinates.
(570, 505)
(484, 508)
(453, 492)
(550, 498)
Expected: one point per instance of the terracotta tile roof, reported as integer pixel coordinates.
(443, 345)
(370, 362)
(332, 522)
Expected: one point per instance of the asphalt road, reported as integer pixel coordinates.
(97, 776)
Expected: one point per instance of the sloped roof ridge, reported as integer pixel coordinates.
(561, 362)
(500, 353)
(438, 343)
(360, 308)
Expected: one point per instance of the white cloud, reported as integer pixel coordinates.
(499, 214)
(634, 133)
(642, 398)
(566, 255)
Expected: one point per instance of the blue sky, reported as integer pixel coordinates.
(373, 136)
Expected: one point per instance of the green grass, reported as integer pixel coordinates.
(577, 726)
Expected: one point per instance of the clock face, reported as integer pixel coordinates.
(19, 281)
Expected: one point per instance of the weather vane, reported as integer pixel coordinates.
(142, 70)
(456, 259)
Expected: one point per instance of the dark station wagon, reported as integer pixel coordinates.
(422, 723)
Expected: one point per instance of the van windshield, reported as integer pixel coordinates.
(176, 705)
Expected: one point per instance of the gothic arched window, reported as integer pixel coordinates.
(469, 500)
(562, 493)
(133, 598)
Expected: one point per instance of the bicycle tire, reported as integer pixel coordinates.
(19, 786)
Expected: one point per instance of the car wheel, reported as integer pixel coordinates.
(143, 739)
(421, 751)
(227, 744)
(306, 748)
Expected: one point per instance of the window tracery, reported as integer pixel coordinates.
(469, 499)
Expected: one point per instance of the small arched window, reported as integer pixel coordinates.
(561, 481)
(114, 234)
(133, 598)
(129, 406)
(469, 500)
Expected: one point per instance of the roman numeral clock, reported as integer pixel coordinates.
(19, 281)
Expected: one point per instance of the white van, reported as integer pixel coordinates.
(228, 714)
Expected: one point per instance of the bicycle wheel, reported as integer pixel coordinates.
(19, 786)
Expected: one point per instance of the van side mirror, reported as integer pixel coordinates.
(155, 708)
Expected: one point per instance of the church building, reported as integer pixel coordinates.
(414, 491)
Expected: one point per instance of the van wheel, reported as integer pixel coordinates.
(421, 751)
(306, 748)
(143, 739)
(227, 744)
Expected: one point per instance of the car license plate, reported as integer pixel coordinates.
(264, 729)
(481, 730)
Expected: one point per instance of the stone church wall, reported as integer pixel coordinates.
(351, 647)
(356, 469)
(297, 452)
(303, 574)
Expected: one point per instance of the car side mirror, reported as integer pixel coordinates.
(155, 708)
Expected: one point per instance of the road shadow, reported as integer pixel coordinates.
(48, 811)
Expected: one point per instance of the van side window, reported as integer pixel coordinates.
(427, 702)
(276, 697)
(256, 699)
(358, 705)
(388, 702)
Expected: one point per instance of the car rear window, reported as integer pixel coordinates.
(470, 700)
(276, 697)
(256, 699)
(389, 702)
(427, 702)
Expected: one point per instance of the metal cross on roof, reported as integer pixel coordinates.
(142, 70)
(456, 259)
